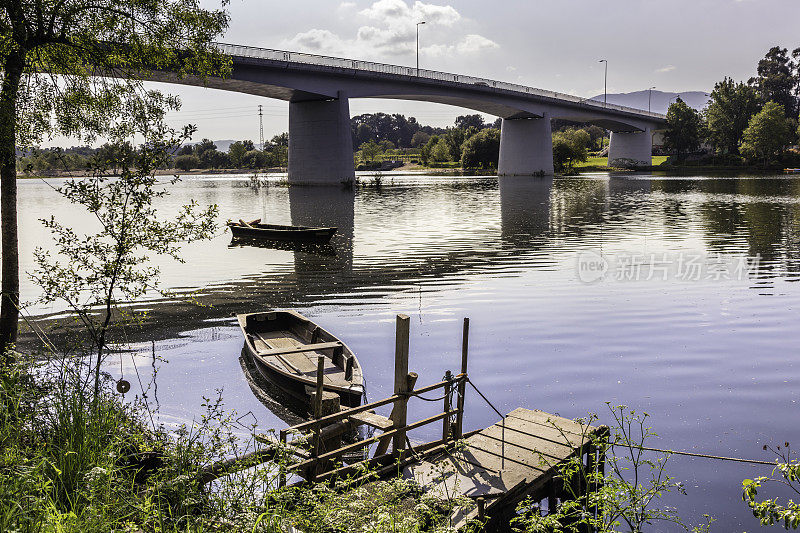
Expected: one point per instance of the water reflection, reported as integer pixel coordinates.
(325, 207)
(524, 209)
(694, 354)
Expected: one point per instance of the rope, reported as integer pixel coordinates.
(502, 423)
(701, 455)
(688, 454)
(485, 399)
(415, 395)
(40, 334)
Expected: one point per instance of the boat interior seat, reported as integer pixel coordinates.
(300, 349)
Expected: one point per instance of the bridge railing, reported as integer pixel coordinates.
(371, 66)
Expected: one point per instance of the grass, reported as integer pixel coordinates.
(602, 162)
(68, 464)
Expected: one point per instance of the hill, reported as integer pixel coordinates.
(660, 102)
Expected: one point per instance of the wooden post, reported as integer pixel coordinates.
(400, 418)
(282, 466)
(590, 483)
(552, 497)
(556, 492)
(318, 412)
(448, 376)
(383, 443)
(462, 384)
(603, 433)
(481, 501)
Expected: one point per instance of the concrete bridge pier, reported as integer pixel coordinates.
(628, 149)
(320, 143)
(526, 147)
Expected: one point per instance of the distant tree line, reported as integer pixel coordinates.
(745, 122)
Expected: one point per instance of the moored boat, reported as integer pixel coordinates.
(277, 232)
(284, 347)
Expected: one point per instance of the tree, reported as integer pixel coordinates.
(596, 134)
(420, 138)
(682, 134)
(426, 151)
(255, 159)
(370, 150)
(110, 154)
(778, 79)
(464, 122)
(214, 159)
(100, 50)
(454, 139)
(440, 151)
(281, 140)
(187, 162)
(732, 105)
(92, 272)
(569, 147)
(482, 149)
(386, 145)
(767, 134)
(237, 150)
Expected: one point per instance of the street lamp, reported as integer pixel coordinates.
(418, 25)
(649, 98)
(605, 83)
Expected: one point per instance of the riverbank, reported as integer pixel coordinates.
(73, 462)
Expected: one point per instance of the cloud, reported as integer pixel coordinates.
(475, 43)
(471, 44)
(389, 29)
(668, 68)
(317, 40)
(399, 13)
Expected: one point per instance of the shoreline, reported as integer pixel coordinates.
(438, 171)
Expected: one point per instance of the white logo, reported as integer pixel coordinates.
(592, 267)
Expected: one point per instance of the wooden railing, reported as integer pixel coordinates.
(394, 428)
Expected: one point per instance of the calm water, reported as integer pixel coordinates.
(694, 318)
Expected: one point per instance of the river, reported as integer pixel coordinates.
(677, 296)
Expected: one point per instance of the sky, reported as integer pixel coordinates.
(674, 45)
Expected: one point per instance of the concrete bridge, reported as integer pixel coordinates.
(318, 90)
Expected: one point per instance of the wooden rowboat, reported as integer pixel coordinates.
(276, 232)
(284, 346)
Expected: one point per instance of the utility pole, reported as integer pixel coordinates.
(605, 84)
(261, 126)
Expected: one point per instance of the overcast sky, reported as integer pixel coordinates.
(675, 45)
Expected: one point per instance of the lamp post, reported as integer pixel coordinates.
(418, 25)
(649, 98)
(605, 83)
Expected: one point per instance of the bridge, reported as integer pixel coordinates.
(318, 89)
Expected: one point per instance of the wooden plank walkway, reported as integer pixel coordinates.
(504, 463)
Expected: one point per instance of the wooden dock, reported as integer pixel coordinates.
(502, 465)
(496, 468)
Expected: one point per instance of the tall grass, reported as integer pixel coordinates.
(69, 464)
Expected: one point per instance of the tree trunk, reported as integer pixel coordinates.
(9, 307)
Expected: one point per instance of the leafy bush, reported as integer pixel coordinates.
(481, 150)
(187, 162)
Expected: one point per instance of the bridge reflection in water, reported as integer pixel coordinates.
(430, 231)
